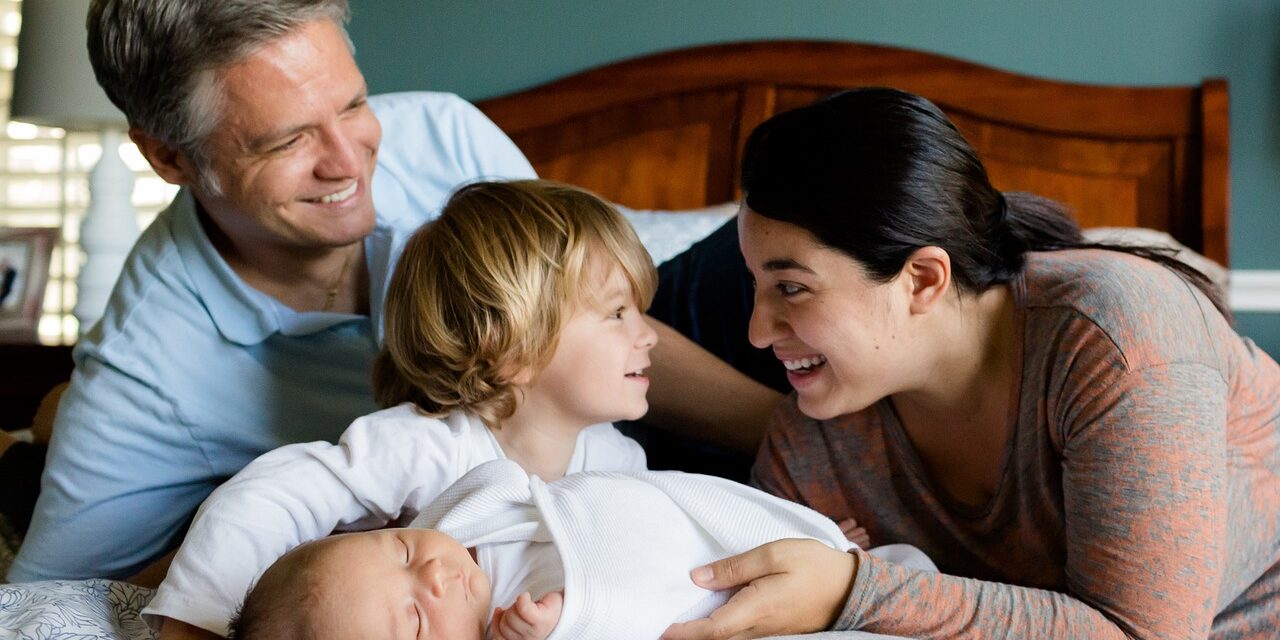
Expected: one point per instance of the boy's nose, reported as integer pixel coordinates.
(648, 335)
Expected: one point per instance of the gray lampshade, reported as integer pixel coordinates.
(53, 84)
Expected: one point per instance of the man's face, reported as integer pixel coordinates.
(295, 147)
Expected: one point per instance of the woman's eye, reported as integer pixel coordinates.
(787, 290)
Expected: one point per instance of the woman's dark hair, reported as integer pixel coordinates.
(878, 173)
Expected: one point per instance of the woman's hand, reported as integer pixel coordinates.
(791, 586)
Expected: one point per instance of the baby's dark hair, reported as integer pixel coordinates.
(278, 607)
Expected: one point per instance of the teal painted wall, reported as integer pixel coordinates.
(482, 48)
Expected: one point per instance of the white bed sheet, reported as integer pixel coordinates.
(109, 610)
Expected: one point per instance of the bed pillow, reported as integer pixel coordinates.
(667, 233)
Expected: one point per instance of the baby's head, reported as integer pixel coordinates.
(388, 583)
(486, 299)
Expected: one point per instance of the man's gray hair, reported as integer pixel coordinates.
(158, 59)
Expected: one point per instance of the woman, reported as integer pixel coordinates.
(1073, 432)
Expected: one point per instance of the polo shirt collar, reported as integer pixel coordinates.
(242, 314)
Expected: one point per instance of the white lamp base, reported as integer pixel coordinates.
(107, 233)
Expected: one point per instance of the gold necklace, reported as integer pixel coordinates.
(332, 296)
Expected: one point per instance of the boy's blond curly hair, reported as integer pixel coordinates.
(481, 292)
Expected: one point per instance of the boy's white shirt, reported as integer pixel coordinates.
(386, 467)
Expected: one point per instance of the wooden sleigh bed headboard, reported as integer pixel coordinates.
(666, 131)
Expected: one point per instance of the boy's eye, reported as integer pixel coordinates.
(617, 313)
(406, 551)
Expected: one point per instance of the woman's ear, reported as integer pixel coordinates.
(928, 276)
(170, 163)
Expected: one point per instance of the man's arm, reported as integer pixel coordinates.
(123, 476)
(697, 395)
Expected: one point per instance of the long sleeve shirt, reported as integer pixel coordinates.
(1139, 495)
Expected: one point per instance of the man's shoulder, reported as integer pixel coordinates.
(154, 297)
(440, 102)
(425, 116)
(153, 282)
(431, 143)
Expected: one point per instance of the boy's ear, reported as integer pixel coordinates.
(516, 375)
(927, 276)
(170, 163)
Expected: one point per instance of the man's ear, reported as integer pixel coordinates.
(927, 274)
(170, 163)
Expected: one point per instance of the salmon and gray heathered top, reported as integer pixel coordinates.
(1139, 493)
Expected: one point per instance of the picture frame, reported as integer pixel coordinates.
(24, 274)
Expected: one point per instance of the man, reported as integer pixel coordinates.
(249, 312)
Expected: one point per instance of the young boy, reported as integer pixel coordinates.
(611, 552)
(514, 323)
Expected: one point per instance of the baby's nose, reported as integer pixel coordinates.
(439, 576)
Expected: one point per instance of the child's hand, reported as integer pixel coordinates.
(854, 533)
(526, 619)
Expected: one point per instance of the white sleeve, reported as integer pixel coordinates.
(298, 493)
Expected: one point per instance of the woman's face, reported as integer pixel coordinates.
(838, 333)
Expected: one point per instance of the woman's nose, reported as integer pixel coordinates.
(763, 327)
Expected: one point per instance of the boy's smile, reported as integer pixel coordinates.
(597, 372)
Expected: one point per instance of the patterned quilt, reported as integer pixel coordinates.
(68, 610)
(73, 610)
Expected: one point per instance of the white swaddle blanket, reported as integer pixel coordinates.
(627, 541)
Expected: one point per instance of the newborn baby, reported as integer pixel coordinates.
(593, 555)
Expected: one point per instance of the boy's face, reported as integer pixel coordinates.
(597, 373)
(399, 583)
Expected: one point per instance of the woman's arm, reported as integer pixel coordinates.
(1143, 461)
(697, 395)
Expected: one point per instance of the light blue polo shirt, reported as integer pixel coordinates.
(192, 373)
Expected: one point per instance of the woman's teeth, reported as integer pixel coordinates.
(804, 364)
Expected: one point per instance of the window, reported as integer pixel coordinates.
(43, 183)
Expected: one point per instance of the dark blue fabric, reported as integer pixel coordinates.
(20, 469)
(706, 294)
